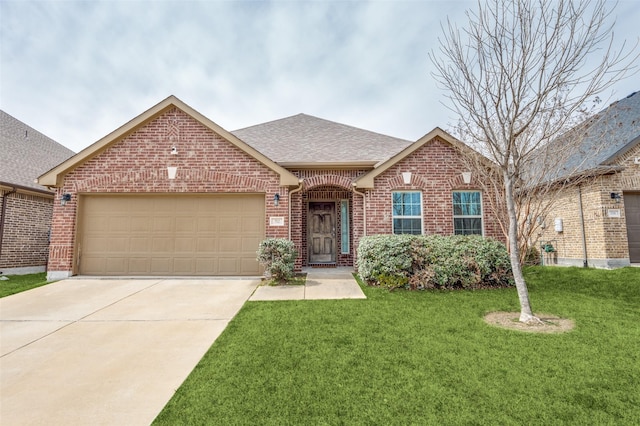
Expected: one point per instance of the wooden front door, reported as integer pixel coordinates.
(322, 232)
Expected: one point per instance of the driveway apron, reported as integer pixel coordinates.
(111, 352)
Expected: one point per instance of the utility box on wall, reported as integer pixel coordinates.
(558, 224)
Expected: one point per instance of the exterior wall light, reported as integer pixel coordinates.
(616, 196)
(65, 198)
(276, 199)
(174, 150)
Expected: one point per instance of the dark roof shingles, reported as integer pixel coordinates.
(608, 134)
(26, 153)
(306, 139)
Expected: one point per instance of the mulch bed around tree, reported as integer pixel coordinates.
(548, 323)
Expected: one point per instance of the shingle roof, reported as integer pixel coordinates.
(26, 153)
(610, 133)
(304, 139)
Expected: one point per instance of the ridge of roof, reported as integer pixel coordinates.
(324, 141)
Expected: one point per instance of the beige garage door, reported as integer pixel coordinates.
(170, 234)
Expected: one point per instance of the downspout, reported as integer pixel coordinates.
(364, 209)
(2, 215)
(290, 194)
(585, 262)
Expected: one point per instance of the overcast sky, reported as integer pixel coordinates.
(77, 70)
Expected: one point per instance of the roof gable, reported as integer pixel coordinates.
(367, 180)
(304, 140)
(26, 153)
(55, 176)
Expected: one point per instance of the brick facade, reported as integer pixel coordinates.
(208, 163)
(25, 236)
(436, 171)
(605, 232)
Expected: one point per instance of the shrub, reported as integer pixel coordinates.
(278, 256)
(380, 255)
(434, 261)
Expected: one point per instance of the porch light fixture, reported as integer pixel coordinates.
(466, 177)
(276, 199)
(406, 177)
(65, 198)
(616, 196)
(171, 171)
(174, 150)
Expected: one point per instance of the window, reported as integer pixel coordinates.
(407, 213)
(344, 226)
(467, 213)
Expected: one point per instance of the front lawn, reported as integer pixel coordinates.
(18, 283)
(426, 358)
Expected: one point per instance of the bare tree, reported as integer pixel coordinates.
(519, 75)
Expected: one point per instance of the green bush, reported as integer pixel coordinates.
(278, 256)
(433, 261)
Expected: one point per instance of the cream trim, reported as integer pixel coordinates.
(54, 177)
(330, 165)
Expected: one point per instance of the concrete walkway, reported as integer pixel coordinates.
(321, 284)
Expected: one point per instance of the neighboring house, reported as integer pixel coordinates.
(173, 193)
(597, 221)
(25, 206)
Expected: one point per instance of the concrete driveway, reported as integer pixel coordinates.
(102, 351)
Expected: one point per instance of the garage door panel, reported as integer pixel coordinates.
(162, 265)
(230, 245)
(163, 224)
(229, 224)
(137, 244)
(185, 245)
(116, 245)
(94, 265)
(248, 244)
(119, 224)
(119, 264)
(207, 245)
(139, 266)
(185, 224)
(140, 224)
(632, 214)
(183, 265)
(162, 245)
(97, 224)
(171, 234)
(229, 265)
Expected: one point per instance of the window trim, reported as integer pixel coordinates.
(345, 231)
(421, 216)
(480, 216)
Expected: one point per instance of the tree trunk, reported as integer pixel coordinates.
(526, 314)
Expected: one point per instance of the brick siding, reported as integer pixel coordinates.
(606, 237)
(138, 163)
(209, 164)
(25, 239)
(436, 170)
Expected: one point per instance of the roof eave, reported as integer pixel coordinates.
(26, 189)
(333, 165)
